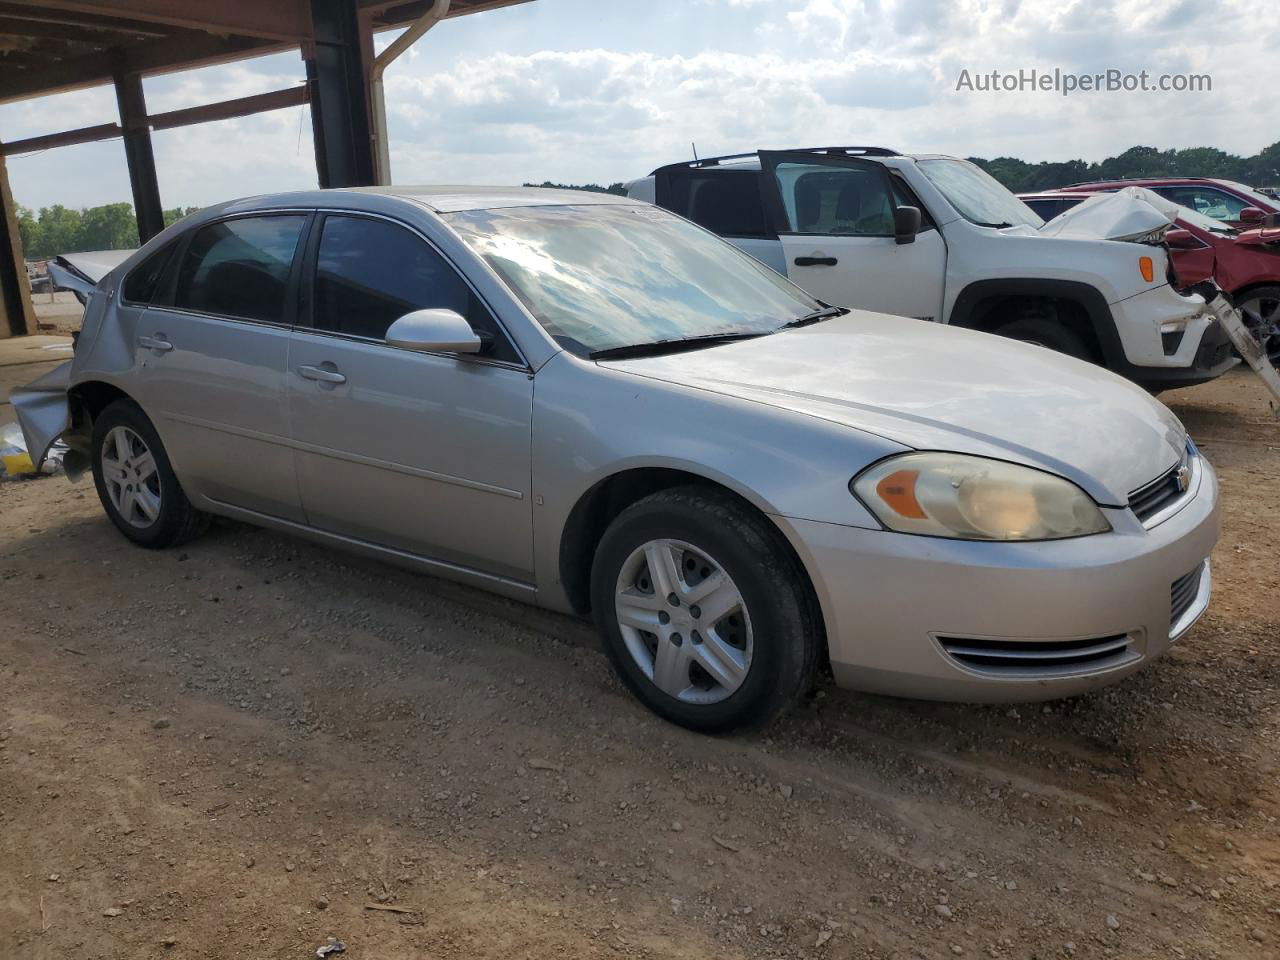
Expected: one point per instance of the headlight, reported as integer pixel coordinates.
(973, 498)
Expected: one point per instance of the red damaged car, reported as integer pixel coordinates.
(1244, 263)
(1226, 200)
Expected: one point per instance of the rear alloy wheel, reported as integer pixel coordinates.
(136, 483)
(1260, 310)
(704, 611)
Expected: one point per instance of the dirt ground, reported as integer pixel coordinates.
(244, 747)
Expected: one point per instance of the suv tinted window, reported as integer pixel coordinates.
(140, 286)
(725, 202)
(240, 268)
(369, 273)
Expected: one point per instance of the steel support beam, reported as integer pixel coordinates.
(336, 82)
(17, 317)
(138, 154)
(339, 99)
(102, 131)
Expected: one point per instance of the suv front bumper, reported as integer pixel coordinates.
(1155, 360)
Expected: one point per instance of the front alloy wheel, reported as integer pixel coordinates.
(684, 622)
(1260, 311)
(704, 609)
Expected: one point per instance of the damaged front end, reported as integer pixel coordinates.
(45, 414)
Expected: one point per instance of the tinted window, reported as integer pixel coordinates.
(369, 273)
(727, 203)
(140, 286)
(833, 200)
(240, 268)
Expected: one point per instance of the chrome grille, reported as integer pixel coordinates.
(1026, 657)
(1164, 491)
(1183, 593)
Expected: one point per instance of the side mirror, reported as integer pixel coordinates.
(434, 331)
(906, 224)
(1252, 215)
(1176, 239)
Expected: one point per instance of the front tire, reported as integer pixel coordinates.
(704, 611)
(1260, 310)
(1046, 333)
(136, 483)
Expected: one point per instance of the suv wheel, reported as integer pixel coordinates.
(135, 482)
(703, 611)
(1046, 333)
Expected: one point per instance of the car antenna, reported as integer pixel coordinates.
(695, 150)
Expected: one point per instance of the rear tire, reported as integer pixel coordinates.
(743, 661)
(1046, 333)
(136, 483)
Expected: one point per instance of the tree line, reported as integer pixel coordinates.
(57, 229)
(1260, 170)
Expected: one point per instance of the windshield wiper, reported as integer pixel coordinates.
(826, 313)
(674, 345)
(993, 226)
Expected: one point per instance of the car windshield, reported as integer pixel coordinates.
(977, 196)
(1260, 200)
(1198, 219)
(602, 277)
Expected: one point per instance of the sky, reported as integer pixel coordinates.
(579, 91)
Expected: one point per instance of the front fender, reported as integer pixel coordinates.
(591, 422)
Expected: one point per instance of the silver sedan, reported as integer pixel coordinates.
(593, 405)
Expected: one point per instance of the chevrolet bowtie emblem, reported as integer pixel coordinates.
(1184, 478)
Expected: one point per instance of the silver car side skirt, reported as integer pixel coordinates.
(506, 586)
(350, 457)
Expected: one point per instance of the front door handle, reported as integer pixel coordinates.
(321, 374)
(157, 343)
(816, 261)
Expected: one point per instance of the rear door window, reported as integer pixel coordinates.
(143, 283)
(240, 268)
(726, 202)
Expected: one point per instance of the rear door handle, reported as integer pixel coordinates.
(159, 344)
(816, 261)
(321, 374)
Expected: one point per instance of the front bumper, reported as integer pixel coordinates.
(1198, 352)
(905, 614)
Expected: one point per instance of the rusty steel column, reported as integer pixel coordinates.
(138, 154)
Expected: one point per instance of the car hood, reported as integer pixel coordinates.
(934, 387)
(1128, 214)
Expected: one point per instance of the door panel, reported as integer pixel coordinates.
(835, 219)
(214, 385)
(218, 399)
(421, 452)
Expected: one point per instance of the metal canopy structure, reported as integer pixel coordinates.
(55, 46)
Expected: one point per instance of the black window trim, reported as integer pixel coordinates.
(775, 206)
(167, 299)
(304, 301)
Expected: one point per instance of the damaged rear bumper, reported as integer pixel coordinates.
(44, 413)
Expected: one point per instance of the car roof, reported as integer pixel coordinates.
(451, 199)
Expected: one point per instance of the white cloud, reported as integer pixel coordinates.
(584, 91)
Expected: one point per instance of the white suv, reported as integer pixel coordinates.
(936, 238)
